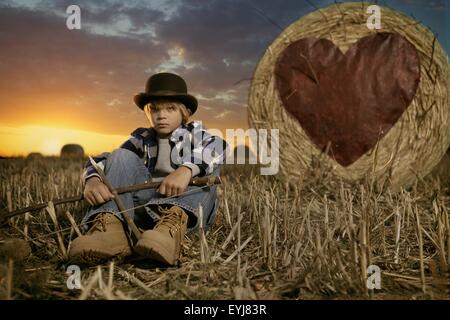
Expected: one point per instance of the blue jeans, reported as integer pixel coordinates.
(124, 168)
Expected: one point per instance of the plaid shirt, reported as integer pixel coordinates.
(194, 146)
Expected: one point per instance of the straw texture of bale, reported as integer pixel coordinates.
(442, 169)
(414, 144)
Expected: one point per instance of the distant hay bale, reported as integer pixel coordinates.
(379, 110)
(72, 151)
(35, 155)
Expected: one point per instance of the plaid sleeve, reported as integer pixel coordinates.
(208, 151)
(89, 170)
(135, 143)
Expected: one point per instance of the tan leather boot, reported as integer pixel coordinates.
(163, 243)
(106, 239)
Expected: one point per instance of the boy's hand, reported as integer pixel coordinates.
(176, 182)
(96, 192)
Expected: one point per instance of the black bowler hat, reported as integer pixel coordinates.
(166, 84)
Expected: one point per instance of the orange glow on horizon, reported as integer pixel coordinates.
(22, 140)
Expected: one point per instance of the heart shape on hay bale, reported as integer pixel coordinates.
(348, 102)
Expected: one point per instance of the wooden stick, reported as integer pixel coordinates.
(118, 200)
(197, 181)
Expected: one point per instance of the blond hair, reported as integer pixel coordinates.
(161, 103)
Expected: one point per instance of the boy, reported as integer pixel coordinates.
(157, 153)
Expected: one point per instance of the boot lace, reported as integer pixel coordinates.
(170, 218)
(99, 223)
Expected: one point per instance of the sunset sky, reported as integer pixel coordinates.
(61, 86)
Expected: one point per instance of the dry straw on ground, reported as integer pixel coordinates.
(412, 147)
(311, 240)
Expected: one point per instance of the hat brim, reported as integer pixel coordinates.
(189, 101)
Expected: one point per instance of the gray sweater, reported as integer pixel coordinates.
(163, 167)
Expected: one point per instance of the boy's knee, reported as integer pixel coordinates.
(123, 155)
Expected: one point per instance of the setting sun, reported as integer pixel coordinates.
(51, 147)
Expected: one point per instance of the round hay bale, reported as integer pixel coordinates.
(35, 155)
(72, 151)
(442, 169)
(360, 102)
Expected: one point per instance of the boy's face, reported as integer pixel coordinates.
(165, 120)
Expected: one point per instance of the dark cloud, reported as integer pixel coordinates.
(96, 70)
(40, 56)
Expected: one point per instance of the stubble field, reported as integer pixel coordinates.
(271, 240)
